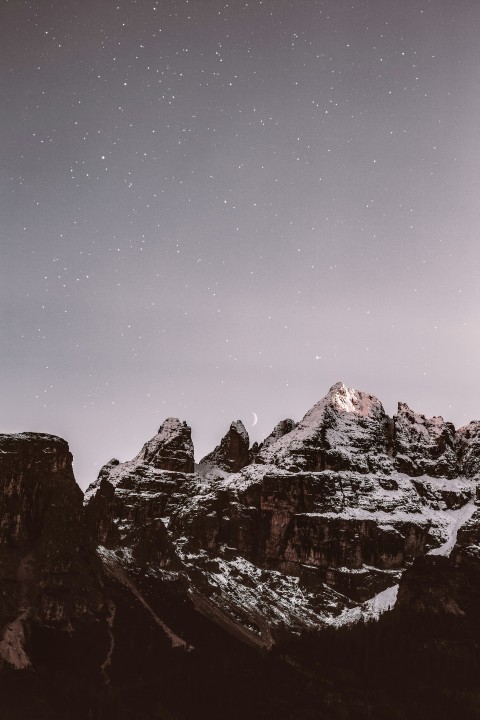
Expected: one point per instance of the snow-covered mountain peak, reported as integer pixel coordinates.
(338, 432)
(349, 400)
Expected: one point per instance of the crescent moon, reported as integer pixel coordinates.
(255, 418)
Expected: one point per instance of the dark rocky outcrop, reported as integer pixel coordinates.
(170, 449)
(233, 452)
(49, 573)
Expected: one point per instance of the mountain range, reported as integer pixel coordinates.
(333, 571)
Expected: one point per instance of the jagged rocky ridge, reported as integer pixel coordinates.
(233, 453)
(344, 517)
(323, 517)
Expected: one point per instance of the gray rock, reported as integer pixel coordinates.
(467, 442)
(424, 446)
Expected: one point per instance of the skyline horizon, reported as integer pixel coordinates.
(207, 444)
(209, 208)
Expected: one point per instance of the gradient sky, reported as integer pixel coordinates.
(212, 208)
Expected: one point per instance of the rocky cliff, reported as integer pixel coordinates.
(50, 574)
(232, 454)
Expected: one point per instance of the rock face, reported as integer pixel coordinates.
(49, 573)
(468, 449)
(170, 449)
(233, 452)
(424, 446)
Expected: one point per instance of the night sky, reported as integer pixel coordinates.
(210, 209)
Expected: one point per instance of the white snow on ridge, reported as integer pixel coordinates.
(352, 401)
(381, 603)
(370, 610)
(459, 518)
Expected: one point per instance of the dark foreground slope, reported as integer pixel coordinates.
(334, 574)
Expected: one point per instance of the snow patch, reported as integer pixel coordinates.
(370, 610)
(12, 646)
(457, 519)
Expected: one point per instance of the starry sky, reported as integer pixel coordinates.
(211, 209)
